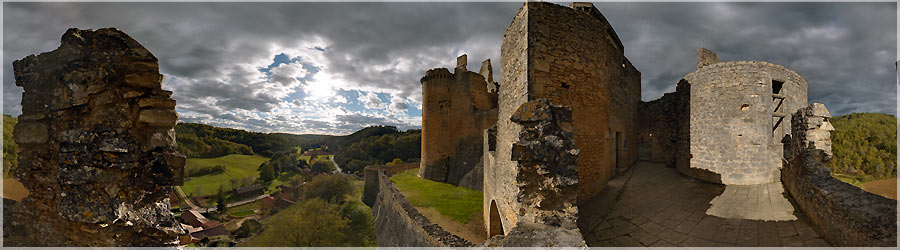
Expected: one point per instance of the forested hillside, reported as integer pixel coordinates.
(376, 149)
(200, 140)
(368, 146)
(865, 145)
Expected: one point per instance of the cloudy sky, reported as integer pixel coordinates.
(333, 68)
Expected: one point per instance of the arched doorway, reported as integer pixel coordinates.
(496, 227)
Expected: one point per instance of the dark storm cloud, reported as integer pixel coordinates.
(845, 51)
(211, 52)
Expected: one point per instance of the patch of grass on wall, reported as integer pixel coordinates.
(457, 203)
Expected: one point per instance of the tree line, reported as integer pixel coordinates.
(380, 150)
(865, 145)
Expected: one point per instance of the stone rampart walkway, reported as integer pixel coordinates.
(753, 202)
(659, 207)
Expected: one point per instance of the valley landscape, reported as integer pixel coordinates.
(337, 137)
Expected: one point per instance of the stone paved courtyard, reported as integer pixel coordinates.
(658, 207)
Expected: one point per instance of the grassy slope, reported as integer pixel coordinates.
(236, 167)
(457, 203)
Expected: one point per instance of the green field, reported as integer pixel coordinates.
(306, 158)
(457, 203)
(243, 213)
(247, 207)
(236, 167)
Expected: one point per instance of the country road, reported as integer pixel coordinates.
(209, 209)
(336, 165)
(184, 197)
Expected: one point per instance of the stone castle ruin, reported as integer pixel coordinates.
(456, 108)
(559, 134)
(96, 146)
(567, 118)
(728, 122)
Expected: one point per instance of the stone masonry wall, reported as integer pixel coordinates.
(575, 61)
(371, 185)
(500, 177)
(846, 215)
(456, 108)
(659, 123)
(733, 118)
(398, 224)
(547, 179)
(571, 57)
(96, 146)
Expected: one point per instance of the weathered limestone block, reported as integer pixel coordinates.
(158, 117)
(547, 179)
(97, 162)
(844, 214)
(547, 158)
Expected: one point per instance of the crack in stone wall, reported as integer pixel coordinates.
(97, 146)
(846, 215)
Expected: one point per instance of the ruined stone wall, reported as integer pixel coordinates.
(572, 58)
(844, 214)
(737, 124)
(547, 179)
(398, 224)
(575, 62)
(500, 177)
(96, 146)
(456, 108)
(660, 123)
(371, 185)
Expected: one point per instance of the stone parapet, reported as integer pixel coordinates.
(846, 215)
(97, 146)
(398, 224)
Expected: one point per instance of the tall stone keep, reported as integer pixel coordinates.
(456, 108)
(96, 146)
(572, 57)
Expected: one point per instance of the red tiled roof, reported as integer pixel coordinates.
(284, 196)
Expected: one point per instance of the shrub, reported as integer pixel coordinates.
(204, 170)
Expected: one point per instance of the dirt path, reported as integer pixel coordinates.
(338, 168)
(186, 200)
(198, 208)
(886, 187)
(473, 231)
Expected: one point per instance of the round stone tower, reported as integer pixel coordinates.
(740, 119)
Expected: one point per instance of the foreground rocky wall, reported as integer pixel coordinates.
(399, 224)
(547, 180)
(96, 146)
(846, 215)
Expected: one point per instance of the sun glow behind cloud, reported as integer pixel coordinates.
(333, 68)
